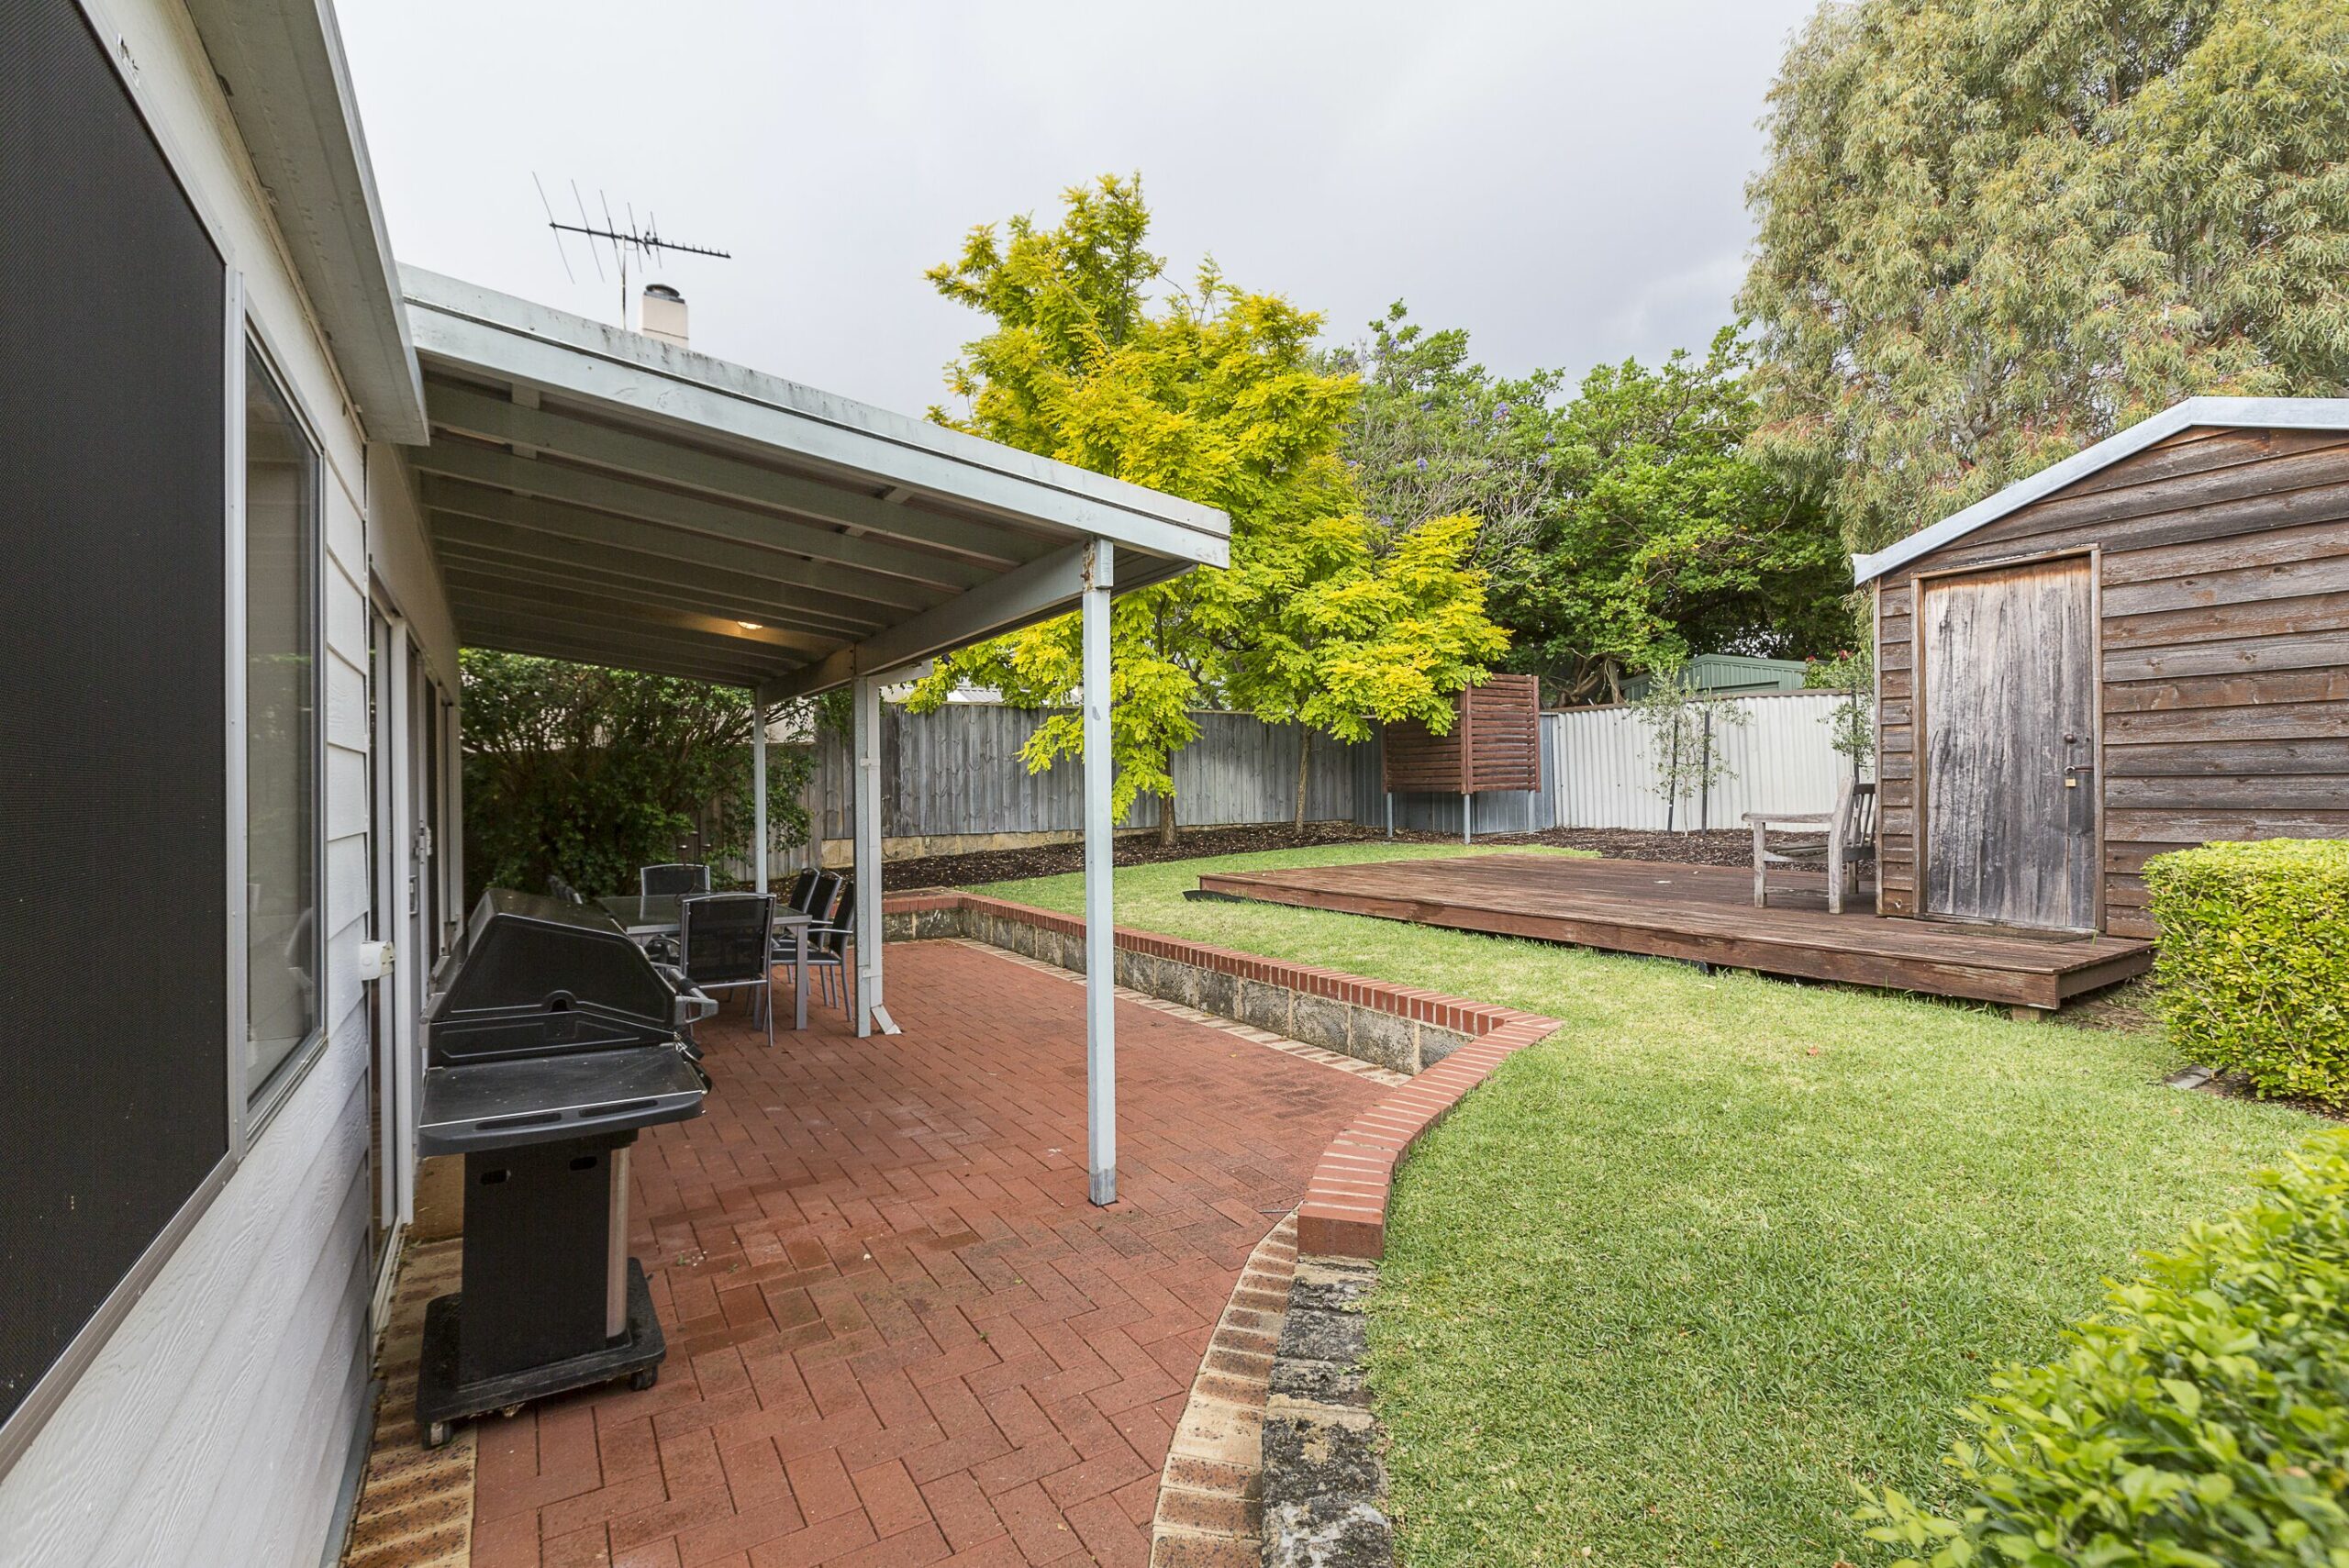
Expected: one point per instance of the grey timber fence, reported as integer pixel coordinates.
(954, 779)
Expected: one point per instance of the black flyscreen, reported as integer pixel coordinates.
(113, 740)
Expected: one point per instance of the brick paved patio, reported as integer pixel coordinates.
(898, 1334)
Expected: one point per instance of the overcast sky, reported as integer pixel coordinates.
(1564, 179)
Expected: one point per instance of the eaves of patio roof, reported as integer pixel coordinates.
(597, 495)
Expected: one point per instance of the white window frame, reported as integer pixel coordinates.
(251, 1111)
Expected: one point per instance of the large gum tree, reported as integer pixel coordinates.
(1992, 232)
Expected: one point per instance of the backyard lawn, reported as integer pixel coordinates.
(1676, 1280)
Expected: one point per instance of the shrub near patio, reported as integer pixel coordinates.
(2253, 973)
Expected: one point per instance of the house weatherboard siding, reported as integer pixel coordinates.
(212, 1424)
(2218, 553)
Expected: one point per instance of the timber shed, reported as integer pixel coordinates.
(2143, 646)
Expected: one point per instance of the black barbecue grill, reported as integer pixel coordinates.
(551, 1040)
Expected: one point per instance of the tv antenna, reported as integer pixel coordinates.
(639, 243)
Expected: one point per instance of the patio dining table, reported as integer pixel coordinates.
(659, 915)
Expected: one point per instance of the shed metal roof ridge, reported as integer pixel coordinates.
(1203, 530)
(2217, 413)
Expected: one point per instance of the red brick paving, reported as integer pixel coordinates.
(898, 1334)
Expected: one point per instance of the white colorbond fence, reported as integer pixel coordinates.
(1600, 764)
(957, 774)
(1599, 770)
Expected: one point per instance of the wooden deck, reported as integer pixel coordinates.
(1704, 915)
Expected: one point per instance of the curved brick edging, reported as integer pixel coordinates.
(1344, 1212)
(1210, 1509)
(1277, 1460)
(1323, 1482)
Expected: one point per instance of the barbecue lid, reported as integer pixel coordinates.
(534, 974)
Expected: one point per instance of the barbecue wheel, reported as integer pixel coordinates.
(644, 1379)
(436, 1433)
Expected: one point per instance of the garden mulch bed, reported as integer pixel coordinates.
(1720, 847)
(1132, 850)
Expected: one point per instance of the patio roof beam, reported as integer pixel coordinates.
(736, 656)
(722, 558)
(559, 481)
(485, 624)
(484, 332)
(648, 457)
(549, 645)
(494, 587)
(454, 533)
(1043, 587)
(524, 568)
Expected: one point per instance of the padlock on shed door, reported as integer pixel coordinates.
(2073, 771)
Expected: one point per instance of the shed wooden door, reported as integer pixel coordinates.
(2007, 671)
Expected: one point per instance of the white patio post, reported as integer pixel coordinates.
(758, 791)
(865, 741)
(1101, 934)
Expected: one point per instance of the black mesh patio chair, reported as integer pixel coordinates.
(816, 903)
(828, 948)
(724, 940)
(678, 879)
(798, 898)
(822, 896)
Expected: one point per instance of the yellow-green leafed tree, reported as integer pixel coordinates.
(1094, 357)
(1342, 638)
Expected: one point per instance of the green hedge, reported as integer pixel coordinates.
(2206, 1423)
(2252, 974)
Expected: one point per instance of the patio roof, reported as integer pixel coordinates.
(598, 494)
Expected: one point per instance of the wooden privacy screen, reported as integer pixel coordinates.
(1495, 743)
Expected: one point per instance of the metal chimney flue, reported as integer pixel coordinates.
(662, 314)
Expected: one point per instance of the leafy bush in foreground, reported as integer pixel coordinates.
(2204, 1425)
(2252, 974)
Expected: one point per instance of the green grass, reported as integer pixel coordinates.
(1674, 1281)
